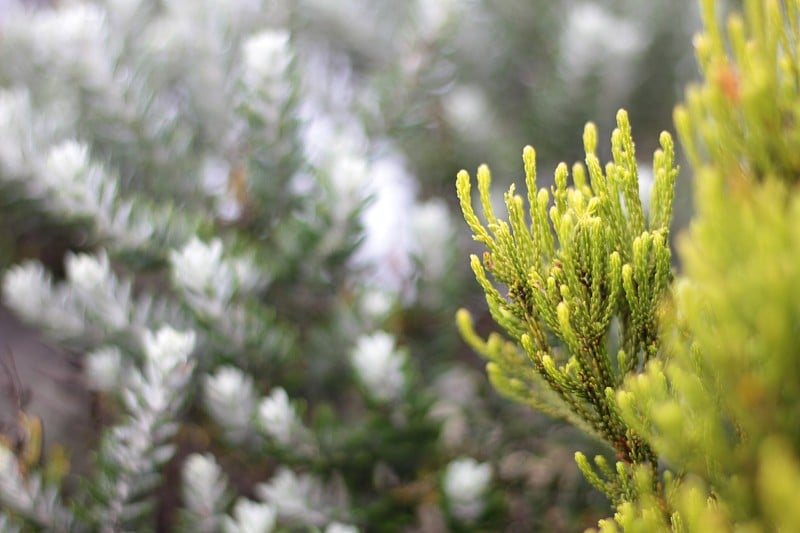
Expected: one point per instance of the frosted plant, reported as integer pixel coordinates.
(465, 484)
(298, 499)
(28, 289)
(266, 59)
(198, 268)
(30, 495)
(379, 366)
(6, 525)
(466, 109)
(91, 306)
(104, 368)
(457, 395)
(210, 204)
(19, 141)
(585, 41)
(435, 15)
(204, 492)
(95, 289)
(277, 417)
(376, 303)
(198, 173)
(133, 451)
(250, 517)
(432, 230)
(279, 421)
(230, 399)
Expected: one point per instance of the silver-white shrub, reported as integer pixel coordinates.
(210, 192)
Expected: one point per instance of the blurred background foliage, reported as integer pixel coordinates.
(462, 83)
(444, 85)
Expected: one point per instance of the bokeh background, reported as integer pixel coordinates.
(429, 87)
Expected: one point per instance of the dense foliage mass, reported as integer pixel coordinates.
(692, 381)
(248, 369)
(224, 213)
(212, 207)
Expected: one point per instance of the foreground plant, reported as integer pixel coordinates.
(585, 276)
(693, 383)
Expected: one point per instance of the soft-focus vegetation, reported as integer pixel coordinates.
(237, 216)
(691, 381)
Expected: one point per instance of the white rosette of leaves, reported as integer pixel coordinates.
(91, 307)
(133, 452)
(205, 493)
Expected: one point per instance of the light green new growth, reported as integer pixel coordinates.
(584, 276)
(709, 382)
(722, 411)
(744, 120)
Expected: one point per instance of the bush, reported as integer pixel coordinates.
(691, 381)
(189, 209)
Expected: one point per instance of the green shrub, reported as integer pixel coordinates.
(692, 381)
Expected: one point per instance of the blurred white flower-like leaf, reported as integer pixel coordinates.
(204, 485)
(297, 498)
(103, 368)
(250, 517)
(230, 399)
(167, 348)
(379, 366)
(465, 484)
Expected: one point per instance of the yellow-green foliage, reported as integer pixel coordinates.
(571, 270)
(744, 119)
(724, 409)
(712, 376)
(731, 390)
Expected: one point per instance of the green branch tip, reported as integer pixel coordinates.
(529, 158)
(622, 120)
(590, 138)
(576, 280)
(665, 139)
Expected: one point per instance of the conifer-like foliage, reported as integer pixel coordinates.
(693, 382)
(245, 372)
(722, 410)
(585, 277)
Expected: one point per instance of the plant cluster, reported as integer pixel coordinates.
(585, 277)
(690, 381)
(250, 370)
(190, 206)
